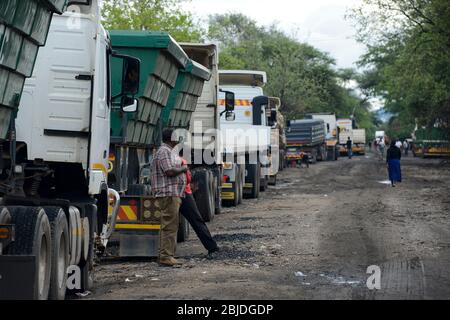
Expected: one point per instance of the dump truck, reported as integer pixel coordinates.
(54, 145)
(431, 142)
(331, 131)
(245, 135)
(345, 129)
(359, 141)
(305, 136)
(171, 86)
(135, 137)
(206, 164)
(177, 115)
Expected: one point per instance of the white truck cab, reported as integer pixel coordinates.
(59, 158)
(245, 137)
(70, 84)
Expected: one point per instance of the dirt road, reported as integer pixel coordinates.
(313, 237)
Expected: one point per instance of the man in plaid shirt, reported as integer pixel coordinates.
(168, 185)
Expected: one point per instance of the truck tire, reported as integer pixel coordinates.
(78, 237)
(254, 177)
(321, 152)
(240, 187)
(183, 230)
(204, 196)
(314, 158)
(85, 239)
(137, 190)
(87, 264)
(33, 237)
(280, 161)
(60, 252)
(212, 195)
(218, 204)
(75, 235)
(273, 180)
(264, 184)
(5, 216)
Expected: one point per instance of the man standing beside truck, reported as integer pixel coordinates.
(190, 211)
(168, 185)
(406, 147)
(304, 159)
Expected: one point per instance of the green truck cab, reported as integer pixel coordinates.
(161, 60)
(133, 135)
(168, 92)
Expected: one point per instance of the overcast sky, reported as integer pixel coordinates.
(320, 23)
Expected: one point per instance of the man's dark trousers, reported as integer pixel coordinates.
(190, 211)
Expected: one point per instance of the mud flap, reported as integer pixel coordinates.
(18, 277)
(139, 243)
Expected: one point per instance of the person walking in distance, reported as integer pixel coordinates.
(190, 211)
(381, 146)
(168, 185)
(406, 147)
(349, 147)
(393, 158)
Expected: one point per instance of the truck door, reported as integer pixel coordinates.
(100, 124)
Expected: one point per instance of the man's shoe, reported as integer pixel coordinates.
(212, 254)
(169, 262)
(216, 249)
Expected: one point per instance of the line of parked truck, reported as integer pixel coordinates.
(322, 137)
(81, 114)
(431, 142)
(425, 142)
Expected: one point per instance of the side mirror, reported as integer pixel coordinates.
(230, 116)
(229, 100)
(129, 105)
(273, 118)
(273, 115)
(131, 75)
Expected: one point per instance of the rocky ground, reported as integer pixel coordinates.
(313, 236)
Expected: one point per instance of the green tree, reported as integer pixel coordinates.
(156, 15)
(407, 59)
(302, 76)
